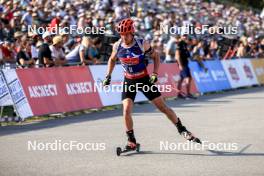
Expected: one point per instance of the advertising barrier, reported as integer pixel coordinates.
(240, 72)
(18, 96)
(64, 89)
(248, 70)
(40, 91)
(258, 66)
(5, 98)
(204, 80)
(218, 74)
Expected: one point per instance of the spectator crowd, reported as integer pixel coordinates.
(27, 48)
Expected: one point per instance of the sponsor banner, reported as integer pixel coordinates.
(5, 98)
(204, 80)
(111, 95)
(63, 89)
(235, 73)
(168, 78)
(248, 70)
(240, 72)
(218, 74)
(258, 66)
(17, 94)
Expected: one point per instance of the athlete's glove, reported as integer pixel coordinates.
(153, 78)
(107, 80)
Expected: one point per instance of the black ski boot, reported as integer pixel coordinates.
(132, 145)
(185, 133)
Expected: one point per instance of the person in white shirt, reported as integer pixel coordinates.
(57, 52)
(170, 50)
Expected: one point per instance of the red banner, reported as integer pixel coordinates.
(65, 89)
(169, 74)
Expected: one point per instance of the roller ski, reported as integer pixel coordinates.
(185, 133)
(132, 145)
(128, 148)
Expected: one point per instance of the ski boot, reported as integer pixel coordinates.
(185, 133)
(132, 145)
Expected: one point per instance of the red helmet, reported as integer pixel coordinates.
(125, 27)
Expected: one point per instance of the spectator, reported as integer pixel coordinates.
(85, 56)
(1, 53)
(27, 17)
(199, 54)
(55, 22)
(57, 52)
(74, 55)
(95, 50)
(241, 51)
(33, 42)
(261, 47)
(171, 48)
(44, 53)
(8, 53)
(213, 50)
(23, 56)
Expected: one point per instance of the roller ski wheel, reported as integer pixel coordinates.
(127, 148)
(190, 137)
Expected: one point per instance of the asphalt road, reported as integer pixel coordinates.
(232, 119)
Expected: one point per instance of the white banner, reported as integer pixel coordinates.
(17, 94)
(5, 98)
(249, 73)
(234, 73)
(240, 72)
(111, 96)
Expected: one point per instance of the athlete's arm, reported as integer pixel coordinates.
(153, 54)
(112, 60)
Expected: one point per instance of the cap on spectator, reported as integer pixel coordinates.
(46, 34)
(67, 17)
(58, 14)
(29, 9)
(71, 12)
(47, 10)
(16, 1)
(81, 15)
(57, 39)
(39, 43)
(88, 14)
(250, 40)
(17, 14)
(68, 6)
(18, 34)
(35, 9)
(34, 14)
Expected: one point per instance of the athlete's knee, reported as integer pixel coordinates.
(127, 110)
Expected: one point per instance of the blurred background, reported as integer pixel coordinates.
(22, 48)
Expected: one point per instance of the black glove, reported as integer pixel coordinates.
(107, 80)
(153, 78)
